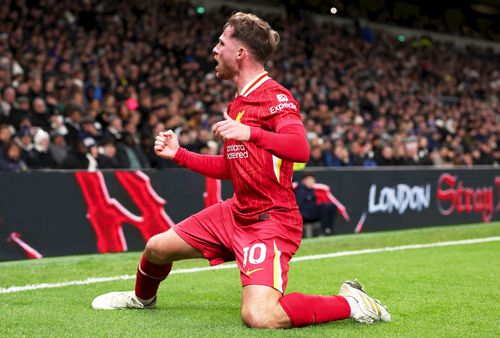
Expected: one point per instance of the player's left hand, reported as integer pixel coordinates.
(230, 129)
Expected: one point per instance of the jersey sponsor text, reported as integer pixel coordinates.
(281, 106)
(236, 151)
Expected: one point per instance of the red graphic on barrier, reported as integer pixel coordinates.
(29, 252)
(361, 222)
(107, 215)
(452, 196)
(212, 192)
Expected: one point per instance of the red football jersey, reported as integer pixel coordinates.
(262, 182)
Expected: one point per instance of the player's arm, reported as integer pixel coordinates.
(167, 146)
(289, 142)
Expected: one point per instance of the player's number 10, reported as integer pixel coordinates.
(249, 254)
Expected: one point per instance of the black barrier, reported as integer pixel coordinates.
(397, 199)
(64, 213)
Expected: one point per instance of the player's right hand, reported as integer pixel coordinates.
(166, 144)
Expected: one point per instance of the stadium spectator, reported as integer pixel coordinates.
(72, 124)
(25, 142)
(130, 154)
(260, 227)
(83, 156)
(339, 157)
(11, 159)
(19, 111)
(386, 156)
(5, 134)
(107, 157)
(38, 116)
(115, 128)
(90, 128)
(361, 155)
(58, 148)
(316, 157)
(6, 104)
(40, 157)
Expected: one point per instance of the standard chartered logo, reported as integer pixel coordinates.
(236, 151)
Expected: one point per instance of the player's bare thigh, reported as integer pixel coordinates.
(168, 247)
(260, 307)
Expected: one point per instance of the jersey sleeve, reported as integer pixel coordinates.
(290, 143)
(279, 110)
(213, 166)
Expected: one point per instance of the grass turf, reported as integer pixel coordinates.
(432, 292)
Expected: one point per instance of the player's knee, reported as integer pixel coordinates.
(154, 249)
(253, 319)
(259, 318)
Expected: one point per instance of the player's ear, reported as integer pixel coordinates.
(241, 52)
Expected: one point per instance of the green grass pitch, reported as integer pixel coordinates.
(447, 291)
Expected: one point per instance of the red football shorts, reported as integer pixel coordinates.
(262, 250)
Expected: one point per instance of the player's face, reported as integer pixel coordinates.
(226, 53)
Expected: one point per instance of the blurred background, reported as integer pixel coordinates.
(88, 84)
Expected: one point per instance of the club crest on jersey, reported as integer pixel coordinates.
(282, 98)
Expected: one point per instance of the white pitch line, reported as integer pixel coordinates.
(396, 248)
(87, 281)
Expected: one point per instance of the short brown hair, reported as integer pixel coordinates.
(255, 33)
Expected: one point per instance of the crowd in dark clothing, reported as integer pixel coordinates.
(87, 85)
(466, 18)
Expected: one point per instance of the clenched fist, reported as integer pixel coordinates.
(166, 144)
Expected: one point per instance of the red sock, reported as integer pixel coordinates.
(149, 277)
(306, 310)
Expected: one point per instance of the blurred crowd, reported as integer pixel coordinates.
(88, 86)
(475, 19)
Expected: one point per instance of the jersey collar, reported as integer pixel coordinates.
(254, 84)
